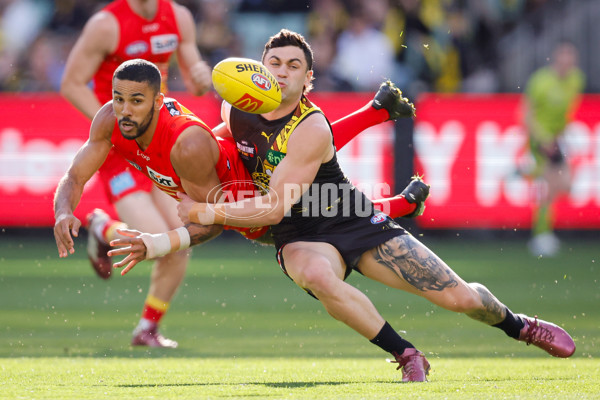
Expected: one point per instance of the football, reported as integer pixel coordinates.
(247, 85)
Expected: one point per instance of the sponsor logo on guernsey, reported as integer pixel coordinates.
(267, 136)
(245, 149)
(378, 218)
(143, 156)
(247, 103)
(261, 82)
(172, 109)
(160, 179)
(134, 165)
(162, 44)
(150, 27)
(274, 157)
(136, 48)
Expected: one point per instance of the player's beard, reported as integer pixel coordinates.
(139, 129)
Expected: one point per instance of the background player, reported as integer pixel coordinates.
(552, 95)
(123, 30)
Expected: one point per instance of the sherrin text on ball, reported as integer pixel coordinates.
(247, 85)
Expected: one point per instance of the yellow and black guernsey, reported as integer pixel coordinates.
(332, 210)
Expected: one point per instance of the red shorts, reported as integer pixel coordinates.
(120, 178)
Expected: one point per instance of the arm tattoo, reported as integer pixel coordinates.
(493, 312)
(201, 233)
(416, 264)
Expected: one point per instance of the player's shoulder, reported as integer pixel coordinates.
(195, 148)
(182, 13)
(104, 120)
(313, 131)
(102, 22)
(101, 31)
(316, 121)
(579, 78)
(194, 140)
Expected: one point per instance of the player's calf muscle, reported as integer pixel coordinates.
(492, 311)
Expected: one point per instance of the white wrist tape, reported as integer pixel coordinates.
(208, 216)
(158, 245)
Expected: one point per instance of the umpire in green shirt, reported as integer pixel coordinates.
(551, 97)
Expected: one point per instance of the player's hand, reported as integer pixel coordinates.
(65, 226)
(201, 76)
(133, 247)
(416, 192)
(184, 207)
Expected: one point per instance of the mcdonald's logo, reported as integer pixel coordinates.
(248, 103)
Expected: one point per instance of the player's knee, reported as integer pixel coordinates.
(465, 304)
(315, 276)
(171, 263)
(464, 301)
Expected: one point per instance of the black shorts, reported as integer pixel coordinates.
(351, 238)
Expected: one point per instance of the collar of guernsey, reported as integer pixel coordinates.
(304, 109)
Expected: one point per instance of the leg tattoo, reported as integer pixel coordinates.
(415, 264)
(493, 312)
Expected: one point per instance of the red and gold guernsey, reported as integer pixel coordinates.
(153, 40)
(155, 161)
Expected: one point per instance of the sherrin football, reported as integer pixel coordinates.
(247, 85)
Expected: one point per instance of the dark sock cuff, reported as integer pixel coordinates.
(511, 325)
(389, 340)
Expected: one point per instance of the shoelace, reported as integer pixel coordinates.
(404, 362)
(398, 360)
(536, 333)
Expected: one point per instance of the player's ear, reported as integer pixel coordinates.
(159, 100)
(308, 81)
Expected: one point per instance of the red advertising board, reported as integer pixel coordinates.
(40, 134)
(471, 149)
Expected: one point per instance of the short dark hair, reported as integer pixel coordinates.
(288, 38)
(138, 70)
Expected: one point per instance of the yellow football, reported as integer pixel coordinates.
(247, 85)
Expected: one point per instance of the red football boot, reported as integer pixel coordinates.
(415, 366)
(96, 246)
(151, 338)
(547, 336)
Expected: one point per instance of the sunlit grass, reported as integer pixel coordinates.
(245, 330)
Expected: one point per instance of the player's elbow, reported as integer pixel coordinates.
(197, 89)
(66, 87)
(275, 215)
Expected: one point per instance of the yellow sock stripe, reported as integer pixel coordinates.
(156, 303)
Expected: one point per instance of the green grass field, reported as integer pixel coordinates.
(246, 331)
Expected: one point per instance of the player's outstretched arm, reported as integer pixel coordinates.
(70, 188)
(138, 246)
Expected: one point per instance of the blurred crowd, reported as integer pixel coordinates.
(422, 45)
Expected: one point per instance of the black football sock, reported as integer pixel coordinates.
(389, 340)
(511, 325)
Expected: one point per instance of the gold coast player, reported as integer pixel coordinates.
(124, 30)
(318, 250)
